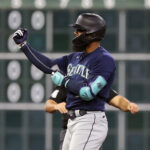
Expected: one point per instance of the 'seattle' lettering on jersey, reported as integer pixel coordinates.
(79, 69)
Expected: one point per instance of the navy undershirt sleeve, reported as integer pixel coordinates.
(39, 60)
(42, 62)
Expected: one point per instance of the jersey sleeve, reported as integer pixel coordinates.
(59, 95)
(112, 94)
(42, 62)
(62, 63)
(104, 67)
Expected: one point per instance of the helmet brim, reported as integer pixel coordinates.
(77, 26)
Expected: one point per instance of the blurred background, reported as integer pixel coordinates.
(24, 89)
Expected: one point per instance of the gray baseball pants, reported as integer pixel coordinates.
(86, 132)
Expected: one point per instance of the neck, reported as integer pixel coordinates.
(92, 47)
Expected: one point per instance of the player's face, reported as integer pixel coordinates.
(80, 40)
(78, 32)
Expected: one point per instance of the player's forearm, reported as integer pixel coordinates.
(40, 61)
(120, 102)
(50, 106)
(84, 90)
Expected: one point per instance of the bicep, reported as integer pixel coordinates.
(104, 67)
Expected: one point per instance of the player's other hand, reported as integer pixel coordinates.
(133, 108)
(20, 36)
(61, 107)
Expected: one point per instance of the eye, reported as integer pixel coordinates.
(79, 30)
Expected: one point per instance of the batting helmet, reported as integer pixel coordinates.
(91, 23)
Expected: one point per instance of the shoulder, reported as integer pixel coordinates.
(105, 60)
(104, 56)
(105, 53)
(74, 55)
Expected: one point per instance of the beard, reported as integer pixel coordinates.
(80, 43)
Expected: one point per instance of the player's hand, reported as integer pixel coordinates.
(133, 108)
(20, 36)
(61, 107)
(59, 79)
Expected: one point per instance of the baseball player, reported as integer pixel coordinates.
(87, 75)
(57, 102)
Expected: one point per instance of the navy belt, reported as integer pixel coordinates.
(72, 114)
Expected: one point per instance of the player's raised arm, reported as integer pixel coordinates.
(39, 60)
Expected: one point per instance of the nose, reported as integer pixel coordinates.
(76, 33)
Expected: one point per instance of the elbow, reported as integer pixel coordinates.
(89, 92)
(85, 94)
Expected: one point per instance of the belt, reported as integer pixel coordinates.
(72, 114)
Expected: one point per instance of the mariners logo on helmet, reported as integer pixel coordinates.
(91, 24)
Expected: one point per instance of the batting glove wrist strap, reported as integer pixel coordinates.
(22, 44)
